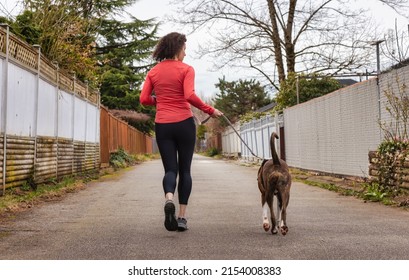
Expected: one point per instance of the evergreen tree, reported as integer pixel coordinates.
(122, 53)
(239, 97)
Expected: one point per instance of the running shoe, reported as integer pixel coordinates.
(171, 223)
(182, 224)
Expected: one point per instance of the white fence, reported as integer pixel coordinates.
(256, 134)
(333, 133)
(49, 121)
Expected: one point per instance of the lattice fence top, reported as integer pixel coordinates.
(27, 56)
(3, 36)
(49, 71)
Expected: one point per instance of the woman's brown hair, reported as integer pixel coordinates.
(169, 46)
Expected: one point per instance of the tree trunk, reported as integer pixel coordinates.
(288, 37)
(276, 41)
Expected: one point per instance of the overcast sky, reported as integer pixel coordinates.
(205, 78)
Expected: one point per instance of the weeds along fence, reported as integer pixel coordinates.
(49, 120)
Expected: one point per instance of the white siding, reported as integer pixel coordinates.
(47, 110)
(65, 115)
(21, 102)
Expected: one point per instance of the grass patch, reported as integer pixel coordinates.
(331, 187)
(18, 198)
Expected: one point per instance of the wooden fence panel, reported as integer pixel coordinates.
(19, 160)
(1, 156)
(46, 159)
(65, 157)
(104, 135)
(116, 134)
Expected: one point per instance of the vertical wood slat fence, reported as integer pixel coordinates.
(116, 134)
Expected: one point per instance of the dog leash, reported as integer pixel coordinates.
(238, 134)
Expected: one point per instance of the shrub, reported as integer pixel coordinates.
(392, 155)
(211, 152)
(121, 159)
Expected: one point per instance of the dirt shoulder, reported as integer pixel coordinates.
(352, 186)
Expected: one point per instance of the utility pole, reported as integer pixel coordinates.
(378, 72)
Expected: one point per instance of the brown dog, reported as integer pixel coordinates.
(274, 179)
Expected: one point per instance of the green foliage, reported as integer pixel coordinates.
(249, 116)
(239, 97)
(374, 192)
(308, 87)
(26, 27)
(120, 46)
(391, 157)
(211, 152)
(121, 159)
(63, 34)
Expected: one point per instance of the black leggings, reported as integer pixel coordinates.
(176, 143)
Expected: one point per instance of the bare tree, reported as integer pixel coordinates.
(276, 37)
(400, 6)
(396, 47)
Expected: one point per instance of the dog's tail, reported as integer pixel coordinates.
(276, 160)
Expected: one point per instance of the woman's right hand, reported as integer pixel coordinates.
(217, 113)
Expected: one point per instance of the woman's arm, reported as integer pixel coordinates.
(190, 95)
(146, 97)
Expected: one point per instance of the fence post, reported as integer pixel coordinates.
(86, 125)
(4, 105)
(73, 123)
(97, 125)
(56, 129)
(277, 127)
(36, 102)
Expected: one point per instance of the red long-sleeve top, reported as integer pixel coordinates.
(172, 82)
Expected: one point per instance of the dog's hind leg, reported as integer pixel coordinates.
(272, 216)
(283, 207)
(266, 224)
(278, 218)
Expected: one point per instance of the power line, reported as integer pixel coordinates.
(10, 14)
